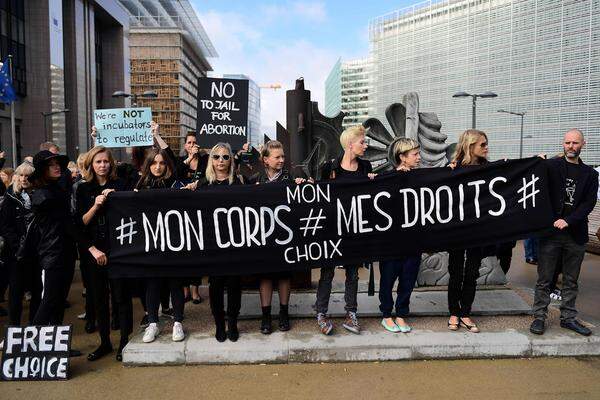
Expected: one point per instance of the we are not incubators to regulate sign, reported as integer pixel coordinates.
(123, 127)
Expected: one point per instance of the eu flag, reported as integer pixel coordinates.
(7, 93)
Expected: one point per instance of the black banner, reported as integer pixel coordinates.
(36, 353)
(222, 112)
(267, 228)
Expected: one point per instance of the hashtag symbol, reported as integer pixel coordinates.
(528, 191)
(312, 222)
(126, 230)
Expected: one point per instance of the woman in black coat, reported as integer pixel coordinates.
(52, 234)
(24, 273)
(100, 174)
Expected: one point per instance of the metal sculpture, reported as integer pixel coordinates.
(311, 139)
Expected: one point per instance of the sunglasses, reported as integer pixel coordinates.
(225, 157)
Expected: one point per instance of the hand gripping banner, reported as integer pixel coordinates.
(248, 229)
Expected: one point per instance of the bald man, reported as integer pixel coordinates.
(573, 187)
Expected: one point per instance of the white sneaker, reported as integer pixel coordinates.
(178, 334)
(150, 333)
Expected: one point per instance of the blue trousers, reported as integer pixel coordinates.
(405, 271)
(531, 248)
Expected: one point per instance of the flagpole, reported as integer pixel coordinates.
(13, 132)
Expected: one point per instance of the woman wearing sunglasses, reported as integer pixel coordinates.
(464, 264)
(221, 171)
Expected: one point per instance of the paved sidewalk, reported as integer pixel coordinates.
(503, 335)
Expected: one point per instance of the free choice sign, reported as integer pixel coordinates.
(222, 112)
(123, 127)
(36, 353)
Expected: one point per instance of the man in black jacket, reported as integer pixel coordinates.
(573, 187)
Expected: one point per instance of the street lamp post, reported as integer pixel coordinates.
(146, 94)
(46, 114)
(522, 115)
(484, 95)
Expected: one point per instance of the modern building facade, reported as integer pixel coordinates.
(255, 136)
(58, 48)
(539, 57)
(347, 88)
(169, 51)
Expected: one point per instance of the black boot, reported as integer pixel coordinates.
(104, 349)
(90, 326)
(220, 333)
(284, 318)
(265, 325)
(232, 330)
(122, 345)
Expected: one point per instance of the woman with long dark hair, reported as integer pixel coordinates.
(52, 234)
(464, 264)
(158, 172)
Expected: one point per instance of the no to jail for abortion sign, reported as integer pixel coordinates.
(222, 112)
(278, 227)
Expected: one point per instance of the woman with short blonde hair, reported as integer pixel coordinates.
(406, 268)
(23, 271)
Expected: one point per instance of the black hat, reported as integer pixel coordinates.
(41, 159)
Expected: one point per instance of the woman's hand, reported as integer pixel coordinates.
(452, 165)
(106, 192)
(403, 168)
(98, 255)
(100, 199)
(371, 176)
(154, 128)
(299, 180)
(191, 186)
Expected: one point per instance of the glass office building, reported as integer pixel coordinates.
(347, 89)
(255, 136)
(540, 57)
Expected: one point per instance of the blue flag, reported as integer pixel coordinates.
(7, 93)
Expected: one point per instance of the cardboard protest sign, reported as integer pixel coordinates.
(123, 127)
(36, 353)
(222, 112)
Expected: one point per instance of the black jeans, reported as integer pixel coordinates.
(558, 251)
(216, 292)
(52, 306)
(464, 271)
(100, 289)
(405, 270)
(122, 292)
(153, 297)
(23, 276)
(86, 264)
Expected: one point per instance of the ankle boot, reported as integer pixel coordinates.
(232, 330)
(220, 333)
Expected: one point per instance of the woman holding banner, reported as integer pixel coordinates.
(221, 171)
(158, 172)
(100, 179)
(273, 157)
(349, 166)
(464, 264)
(404, 269)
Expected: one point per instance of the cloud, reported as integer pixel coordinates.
(243, 48)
